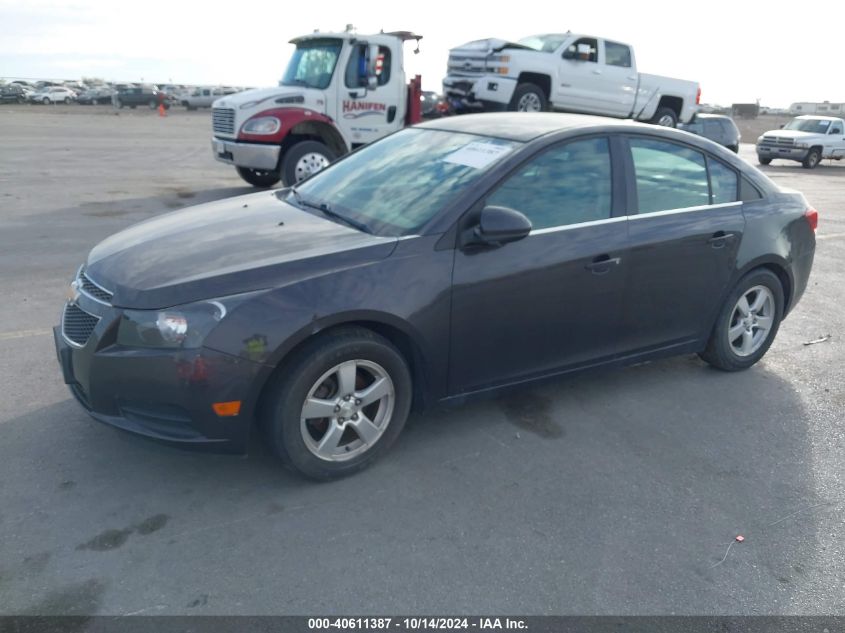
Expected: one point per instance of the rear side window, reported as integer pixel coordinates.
(564, 185)
(668, 176)
(617, 54)
(747, 191)
(722, 182)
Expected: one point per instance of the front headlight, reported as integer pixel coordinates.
(802, 146)
(759, 139)
(181, 327)
(262, 125)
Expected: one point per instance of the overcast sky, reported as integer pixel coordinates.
(739, 51)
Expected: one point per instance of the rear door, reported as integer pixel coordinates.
(553, 299)
(685, 228)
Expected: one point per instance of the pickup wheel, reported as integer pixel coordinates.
(153, 105)
(259, 177)
(813, 158)
(305, 159)
(763, 161)
(528, 98)
(665, 117)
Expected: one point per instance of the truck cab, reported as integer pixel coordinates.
(339, 91)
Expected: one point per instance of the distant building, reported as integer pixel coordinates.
(826, 108)
(745, 110)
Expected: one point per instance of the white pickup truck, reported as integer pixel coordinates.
(565, 72)
(807, 139)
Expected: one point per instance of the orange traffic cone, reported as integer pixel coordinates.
(161, 110)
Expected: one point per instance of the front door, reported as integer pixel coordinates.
(684, 236)
(554, 298)
(578, 80)
(368, 113)
(618, 79)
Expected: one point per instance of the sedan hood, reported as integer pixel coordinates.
(227, 247)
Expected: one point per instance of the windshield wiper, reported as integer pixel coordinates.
(326, 209)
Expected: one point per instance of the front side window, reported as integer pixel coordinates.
(668, 176)
(396, 185)
(313, 63)
(617, 54)
(836, 129)
(564, 185)
(586, 50)
(356, 68)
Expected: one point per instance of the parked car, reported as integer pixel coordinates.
(204, 97)
(807, 139)
(96, 96)
(53, 94)
(718, 128)
(145, 95)
(451, 258)
(566, 72)
(14, 93)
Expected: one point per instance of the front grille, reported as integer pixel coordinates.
(223, 120)
(461, 88)
(77, 324)
(777, 141)
(90, 288)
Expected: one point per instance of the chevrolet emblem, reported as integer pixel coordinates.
(73, 291)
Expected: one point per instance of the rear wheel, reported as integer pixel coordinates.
(305, 159)
(763, 161)
(46, 101)
(153, 104)
(734, 148)
(341, 403)
(813, 158)
(665, 117)
(528, 98)
(67, 100)
(259, 177)
(747, 323)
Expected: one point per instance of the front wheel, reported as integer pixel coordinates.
(341, 403)
(665, 117)
(747, 323)
(813, 158)
(762, 160)
(259, 177)
(303, 160)
(45, 101)
(528, 98)
(153, 104)
(67, 100)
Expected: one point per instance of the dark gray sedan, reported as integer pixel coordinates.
(456, 257)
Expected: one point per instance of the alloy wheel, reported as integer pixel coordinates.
(529, 102)
(347, 410)
(751, 320)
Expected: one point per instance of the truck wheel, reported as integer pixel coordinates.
(45, 101)
(665, 117)
(763, 161)
(528, 98)
(67, 100)
(305, 159)
(813, 158)
(259, 177)
(153, 105)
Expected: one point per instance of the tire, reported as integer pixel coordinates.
(67, 100)
(730, 334)
(813, 158)
(259, 177)
(45, 101)
(763, 161)
(734, 148)
(665, 117)
(528, 98)
(132, 107)
(315, 372)
(305, 159)
(153, 105)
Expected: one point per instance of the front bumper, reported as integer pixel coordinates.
(791, 153)
(488, 92)
(251, 155)
(162, 394)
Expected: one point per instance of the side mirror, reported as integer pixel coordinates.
(569, 53)
(498, 226)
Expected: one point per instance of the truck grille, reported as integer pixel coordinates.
(777, 141)
(77, 324)
(223, 120)
(93, 290)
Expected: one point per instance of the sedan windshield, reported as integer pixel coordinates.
(816, 126)
(313, 63)
(544, 43)
(396, 185)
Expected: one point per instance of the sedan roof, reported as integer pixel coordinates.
(524, 126)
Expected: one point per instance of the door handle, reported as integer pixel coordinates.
(720, 238)
(602, 264)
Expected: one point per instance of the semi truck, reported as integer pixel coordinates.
(339, 91)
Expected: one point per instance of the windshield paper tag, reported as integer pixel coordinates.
(477, 154)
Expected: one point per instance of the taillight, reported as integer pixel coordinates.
(812, 217)
(698, 96)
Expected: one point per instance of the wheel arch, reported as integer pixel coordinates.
(544, 82)
(676, 104)
(317, 131)
(395, 330)
(780, 267)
